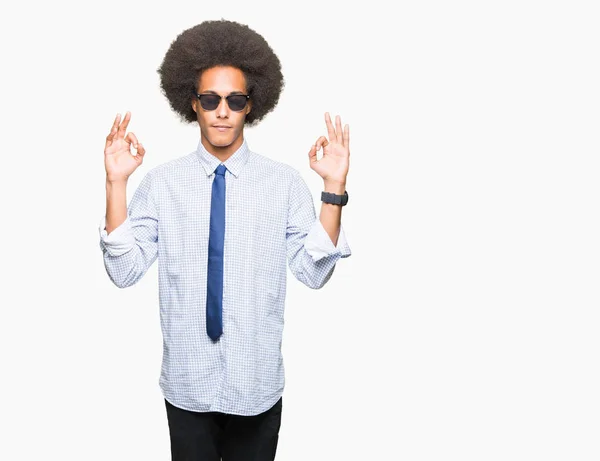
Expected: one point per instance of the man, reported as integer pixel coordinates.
(223, 222)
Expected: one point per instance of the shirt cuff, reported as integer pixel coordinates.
(318, 244)
(120, 241)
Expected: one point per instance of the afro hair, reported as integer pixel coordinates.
(221, 43)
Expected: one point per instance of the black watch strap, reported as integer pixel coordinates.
(329, 197)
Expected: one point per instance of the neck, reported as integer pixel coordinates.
(222, 152)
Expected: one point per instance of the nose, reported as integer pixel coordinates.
(223, 109)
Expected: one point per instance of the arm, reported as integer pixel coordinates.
(116, 204)
(131, 248)
(331, 215)
(314, 246)
(312, 256)
(333, 168)
(119, 164)
(128, 243)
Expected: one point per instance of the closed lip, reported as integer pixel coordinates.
(221, 126)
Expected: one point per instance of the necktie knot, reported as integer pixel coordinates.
(221, 169)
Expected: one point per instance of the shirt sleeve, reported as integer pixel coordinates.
(318, 244)
(130, 249)
(120, 240)
(312, 256)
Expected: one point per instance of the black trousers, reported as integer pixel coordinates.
(212, 436)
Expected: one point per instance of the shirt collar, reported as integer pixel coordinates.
(233, 164)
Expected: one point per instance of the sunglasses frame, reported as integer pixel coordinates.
(223, 97)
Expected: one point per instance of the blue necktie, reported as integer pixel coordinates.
(216, 240)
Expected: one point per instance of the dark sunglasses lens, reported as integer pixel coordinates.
(236, 102)
(209, 101)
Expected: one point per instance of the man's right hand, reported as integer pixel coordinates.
(119, 162)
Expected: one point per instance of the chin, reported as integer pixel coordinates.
(220, 142)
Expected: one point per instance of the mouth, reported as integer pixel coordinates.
(221, 127)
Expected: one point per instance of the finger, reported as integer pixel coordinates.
(338, 128)
(322, 141)
(131, 139)
(347, 136)
(312, 154)
(330, 130)
(113, 131)
(123, 126)
(140, 153)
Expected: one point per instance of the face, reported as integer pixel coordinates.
(221, 130)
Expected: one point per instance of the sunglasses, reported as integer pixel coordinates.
(236, 102)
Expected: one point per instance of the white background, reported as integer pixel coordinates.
(465, 324)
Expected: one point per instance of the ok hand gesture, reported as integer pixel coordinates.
(119, 162)
(333, 165)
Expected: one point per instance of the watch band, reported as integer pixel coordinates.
(334, 199)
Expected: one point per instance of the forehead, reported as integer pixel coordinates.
(222, 80)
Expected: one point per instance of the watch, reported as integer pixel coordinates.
(334, 199)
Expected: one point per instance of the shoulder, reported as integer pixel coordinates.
(179, 163)
(262, 163)
(171, 167)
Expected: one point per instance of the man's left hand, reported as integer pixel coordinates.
(333, 165)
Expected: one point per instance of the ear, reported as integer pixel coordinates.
(249, 106)
(194, 105)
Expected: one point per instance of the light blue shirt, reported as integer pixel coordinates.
(270, 222)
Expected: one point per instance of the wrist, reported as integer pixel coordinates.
(335, 187)
(115, 181)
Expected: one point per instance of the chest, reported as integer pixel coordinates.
(254, 207)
